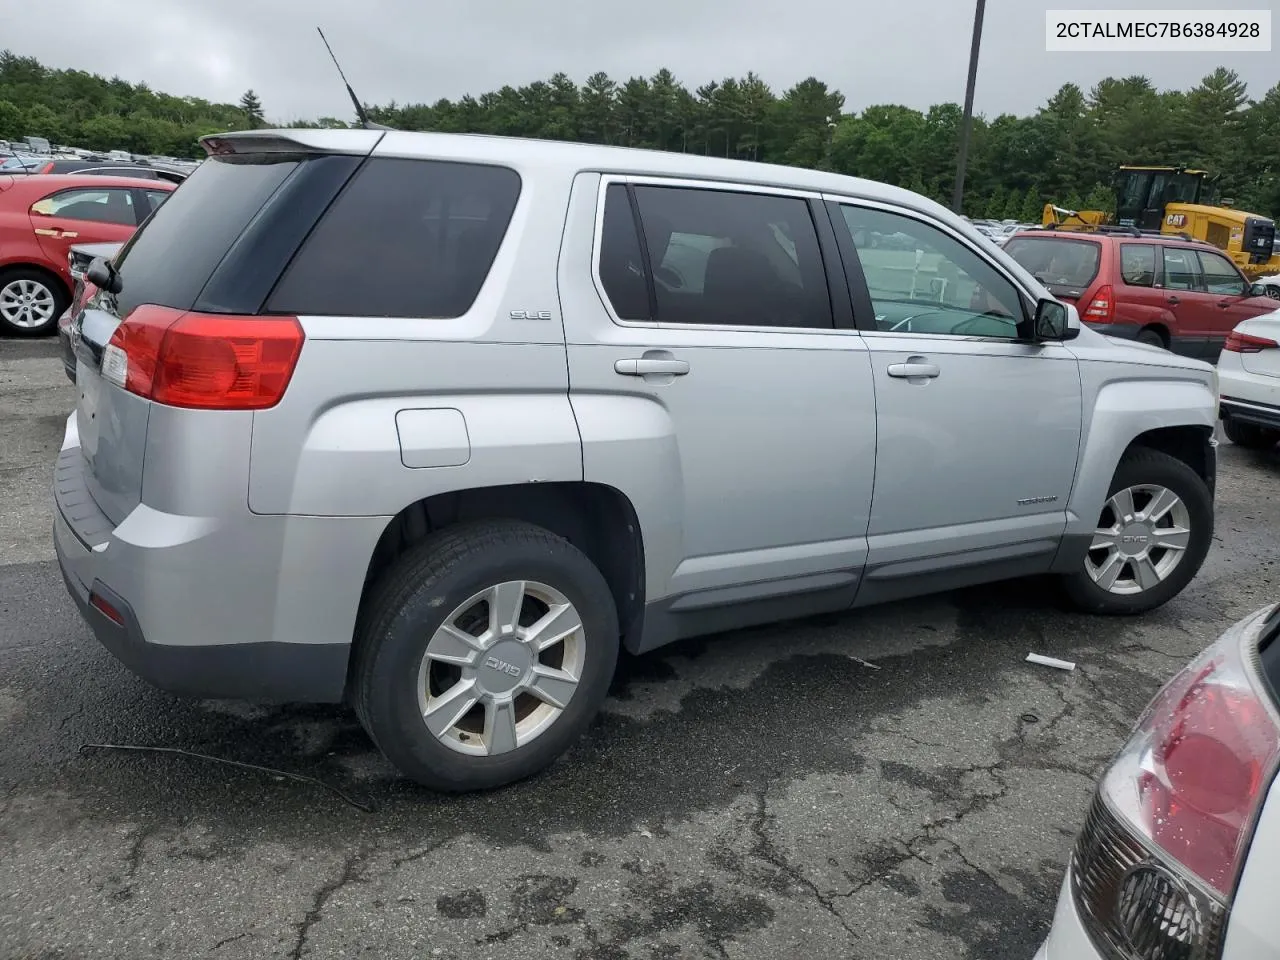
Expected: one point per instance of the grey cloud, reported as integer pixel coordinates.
(874, 51)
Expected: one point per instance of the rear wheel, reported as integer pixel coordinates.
(1250, 435)
(1151, 538)
(30, 302)
(484, 654)
(1152, 337)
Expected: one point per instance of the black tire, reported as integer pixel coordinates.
(1152, 337)
(1250, 435)
(420, 590)
(61, 300)
(1142, 466)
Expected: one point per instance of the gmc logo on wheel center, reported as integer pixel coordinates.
(502, 666)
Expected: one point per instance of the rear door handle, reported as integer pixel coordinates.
(1174, 300)
(913, 368)
(647, 366)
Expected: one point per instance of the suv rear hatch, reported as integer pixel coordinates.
(1065, 265)
(213, 250)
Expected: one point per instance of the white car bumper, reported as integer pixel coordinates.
(1068, 939)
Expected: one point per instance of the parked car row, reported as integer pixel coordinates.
(41, 217)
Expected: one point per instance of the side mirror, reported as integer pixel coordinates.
(103, 275)
(1053, 321)
(1260, 290)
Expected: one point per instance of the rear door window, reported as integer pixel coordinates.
(106, 205)
(406, 238)
(622, 271)
(1138, 264)
(733, 259)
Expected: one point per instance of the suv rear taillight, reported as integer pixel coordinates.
(47, 168)
(1156, 867)
(203, 361)
(1102, 308)
(1248, 343)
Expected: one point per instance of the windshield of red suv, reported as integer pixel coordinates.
(1057, 261)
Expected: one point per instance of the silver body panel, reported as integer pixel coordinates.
(786, 461)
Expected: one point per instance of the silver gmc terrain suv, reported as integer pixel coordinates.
(436, 423)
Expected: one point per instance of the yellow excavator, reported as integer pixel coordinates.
(1180, 202)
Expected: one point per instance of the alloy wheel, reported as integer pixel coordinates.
(26, 304)
(1142, 535)
(502, 668)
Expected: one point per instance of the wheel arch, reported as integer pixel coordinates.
(597, 519)
(1177, 417)
(37, 268)
(1161, 329)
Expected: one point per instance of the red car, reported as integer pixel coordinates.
(40, 218)
(1183, 295)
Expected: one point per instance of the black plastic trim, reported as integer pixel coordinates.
(1270, 417)
(837, 279)
(684, 615)
(864, 311)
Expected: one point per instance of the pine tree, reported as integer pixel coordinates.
(251, 107)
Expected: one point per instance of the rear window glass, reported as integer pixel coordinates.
(1055, 261)
(172, 257)
(406, 238)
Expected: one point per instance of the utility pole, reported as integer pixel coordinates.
(966, 121)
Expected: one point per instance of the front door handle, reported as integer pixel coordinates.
(649, 366)
(1224, 304)
(916, 367)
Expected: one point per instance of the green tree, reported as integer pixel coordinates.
(251, 107)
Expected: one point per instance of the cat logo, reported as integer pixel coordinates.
(1176, 220)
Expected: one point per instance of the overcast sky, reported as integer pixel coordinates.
(874, 51)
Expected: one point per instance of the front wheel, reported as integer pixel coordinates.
(484, 653)
(1152, 536)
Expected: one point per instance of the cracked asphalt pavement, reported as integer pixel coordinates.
(891, 783)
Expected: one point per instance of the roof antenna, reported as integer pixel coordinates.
(360, 114)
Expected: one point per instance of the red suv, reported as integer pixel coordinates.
(1182, 295)
(40, 218)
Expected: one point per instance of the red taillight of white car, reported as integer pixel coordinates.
(1248, 343)
(203, 361)
(1157, 864)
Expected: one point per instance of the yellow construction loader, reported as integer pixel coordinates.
(1181, 202)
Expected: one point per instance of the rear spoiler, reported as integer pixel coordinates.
(352, 142)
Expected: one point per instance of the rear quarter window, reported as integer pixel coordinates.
(169, 261)
(405, 238)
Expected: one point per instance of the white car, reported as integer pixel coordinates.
(1249, 382)
(1179, 858)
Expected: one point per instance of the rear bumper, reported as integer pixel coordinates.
(1068, 939)
(254, 608)
(267, 671)
(1248, 411)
